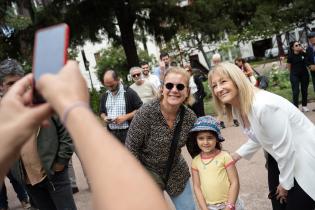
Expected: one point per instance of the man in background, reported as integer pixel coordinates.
(10, 72)
(150, 77)
(310, 60)
(144, 88)
(43, 164)
(118, 105)
(163, 66)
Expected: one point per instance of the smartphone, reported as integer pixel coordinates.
(110, 120)
(50, 53)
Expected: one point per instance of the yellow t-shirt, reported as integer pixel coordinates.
(213, 176)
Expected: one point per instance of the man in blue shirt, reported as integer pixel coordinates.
(163, 66)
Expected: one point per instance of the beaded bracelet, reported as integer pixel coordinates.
(230, 206)
(71, 107)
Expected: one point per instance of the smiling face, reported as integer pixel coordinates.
(206, 141)
(171, 94)
(224, 88)
(146, 69)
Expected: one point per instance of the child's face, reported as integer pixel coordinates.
(206, 141)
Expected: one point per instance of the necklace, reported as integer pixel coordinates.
(207, 163)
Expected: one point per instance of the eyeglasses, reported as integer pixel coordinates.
(136, 75)
(297, 45)
(179, 86)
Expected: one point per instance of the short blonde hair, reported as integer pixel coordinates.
(190, 100)
(245, 89)
(216, 57)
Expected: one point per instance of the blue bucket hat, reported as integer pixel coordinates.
(311, 34)
(207, 123)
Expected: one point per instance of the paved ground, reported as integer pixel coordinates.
(253, 176)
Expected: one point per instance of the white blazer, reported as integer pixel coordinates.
(287, 135)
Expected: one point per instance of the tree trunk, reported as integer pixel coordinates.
(200, 47)
(126, 20)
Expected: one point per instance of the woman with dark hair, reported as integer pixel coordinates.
(298, 74)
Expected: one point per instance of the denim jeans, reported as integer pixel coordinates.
(185, 200)
(18, 188)
(54, 193)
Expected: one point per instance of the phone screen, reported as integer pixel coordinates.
(50, 52)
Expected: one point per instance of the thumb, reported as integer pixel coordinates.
(40, 113)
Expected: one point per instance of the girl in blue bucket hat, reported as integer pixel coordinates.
(214, 174)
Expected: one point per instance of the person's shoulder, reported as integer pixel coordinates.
(150, 107)
(225, 154)
(129, 90)
(266, 97)
(147, 83)
(197, 158)
(269, 102)
(104, 94)
(190, 113)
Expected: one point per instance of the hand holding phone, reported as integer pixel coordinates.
(50, 53)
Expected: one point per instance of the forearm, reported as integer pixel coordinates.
(130, 115)
(111, 180)
(9, 154)
(200, 199)
(233, 192)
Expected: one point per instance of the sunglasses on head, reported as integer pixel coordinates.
(179, 86)
(136, 75)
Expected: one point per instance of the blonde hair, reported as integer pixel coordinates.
(245, 89)
(190, 100)
(216, 57)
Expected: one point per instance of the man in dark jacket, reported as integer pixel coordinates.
(10, 72)
(118, 105)
(42, 166)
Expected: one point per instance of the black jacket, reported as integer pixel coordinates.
(54, 145)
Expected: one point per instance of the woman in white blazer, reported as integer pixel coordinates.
(273, 123)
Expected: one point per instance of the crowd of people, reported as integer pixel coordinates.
(135, 153)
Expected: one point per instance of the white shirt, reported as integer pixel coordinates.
(192, 85)
(146, 91)
(154, 80)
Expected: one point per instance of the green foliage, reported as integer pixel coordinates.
(279, 78)
(115, 59)
(95, 97)
(17, 22)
